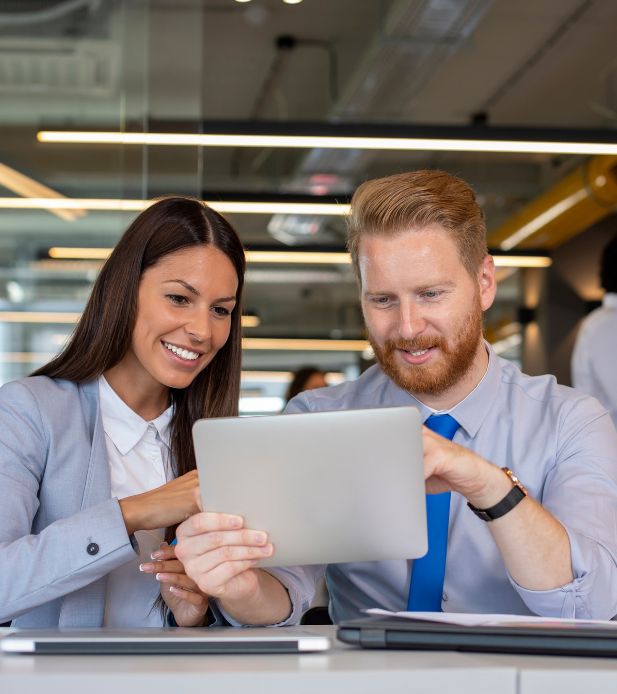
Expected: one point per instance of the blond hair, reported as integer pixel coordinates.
(394, 204)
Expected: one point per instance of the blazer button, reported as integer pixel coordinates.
(92, 549)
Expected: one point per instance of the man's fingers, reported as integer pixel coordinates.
(208, 522)
(215, 581)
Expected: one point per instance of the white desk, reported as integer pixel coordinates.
(343, 669)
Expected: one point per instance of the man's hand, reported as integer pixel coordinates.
(220, 554)
(448, 466)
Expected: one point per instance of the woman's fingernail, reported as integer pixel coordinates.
(145, 567)
(161, 577)
(158, 554)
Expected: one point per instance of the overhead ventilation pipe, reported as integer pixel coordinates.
(569, 207)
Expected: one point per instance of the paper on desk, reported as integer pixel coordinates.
(470, 620)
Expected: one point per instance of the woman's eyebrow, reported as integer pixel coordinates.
(186, 285)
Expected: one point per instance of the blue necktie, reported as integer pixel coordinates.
(428, 572)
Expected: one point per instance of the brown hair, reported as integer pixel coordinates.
(398, 203)
(103, 335)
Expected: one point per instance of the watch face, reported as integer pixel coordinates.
(515, 480)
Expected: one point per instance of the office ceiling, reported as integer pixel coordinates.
(137, 64)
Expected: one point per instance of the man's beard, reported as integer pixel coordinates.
(433, 379)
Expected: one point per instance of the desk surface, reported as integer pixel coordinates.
(343, 669)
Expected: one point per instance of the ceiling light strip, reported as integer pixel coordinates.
(72, 317)
(309, 345)
(294, 257)
(329, 142)
(226, 207)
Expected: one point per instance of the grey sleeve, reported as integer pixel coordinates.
(38, 568)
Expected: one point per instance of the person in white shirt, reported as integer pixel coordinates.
(593, 370)
(97, 464)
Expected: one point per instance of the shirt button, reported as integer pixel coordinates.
(444, 597)
(92, 549)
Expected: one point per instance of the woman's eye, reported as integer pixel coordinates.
(222, 311)
(177, 299)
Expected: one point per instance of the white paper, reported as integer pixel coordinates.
(464, 619)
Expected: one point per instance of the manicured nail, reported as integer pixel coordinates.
(158, 554)
(145, 567)
(162, 577)
(175, 589)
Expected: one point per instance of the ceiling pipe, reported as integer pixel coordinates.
(569, 207)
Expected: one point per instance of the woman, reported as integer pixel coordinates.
(96, 453)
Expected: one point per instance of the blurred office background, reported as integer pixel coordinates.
(546, 69)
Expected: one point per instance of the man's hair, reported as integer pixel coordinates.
(394, 204)
(608, 266)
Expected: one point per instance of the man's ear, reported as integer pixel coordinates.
(487, 283)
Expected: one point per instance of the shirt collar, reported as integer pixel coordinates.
(472, 410)
(124, 426)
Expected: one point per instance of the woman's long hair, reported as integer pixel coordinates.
(103, 335)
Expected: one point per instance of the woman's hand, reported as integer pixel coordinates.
(187, 603)
(163, 506)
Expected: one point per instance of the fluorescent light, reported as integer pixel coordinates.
(296, 257)
(70, 317)
(27, 187)
(38, 317)
(229, 207)
(299, 257)
(332, 377)
(329, 142)
(309, 345)
(250, 321)
(522, 261)
(542, 219)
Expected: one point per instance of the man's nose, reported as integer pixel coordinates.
(411, 321)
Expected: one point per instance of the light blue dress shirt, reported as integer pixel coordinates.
(563, 447)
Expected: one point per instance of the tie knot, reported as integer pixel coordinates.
(443, 424)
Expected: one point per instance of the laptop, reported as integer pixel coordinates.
(327, 487)
(541, 637)
(154, 641)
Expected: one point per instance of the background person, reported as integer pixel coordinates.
(96, 455)
(306, 378)
(593, 369)
(418, 246)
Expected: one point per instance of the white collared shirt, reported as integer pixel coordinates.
(593, 368)
(138, 453)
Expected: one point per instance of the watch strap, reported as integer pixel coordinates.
(510, 500)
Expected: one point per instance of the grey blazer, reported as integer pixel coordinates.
(61, 533)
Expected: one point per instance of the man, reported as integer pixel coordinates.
(593, 370)
(418, 246)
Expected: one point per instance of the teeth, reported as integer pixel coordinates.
(184, 353)
(419, 353)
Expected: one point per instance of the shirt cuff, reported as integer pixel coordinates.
(300, 602)
(575, 599)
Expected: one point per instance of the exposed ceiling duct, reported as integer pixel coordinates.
(412, 41)
(572, 205)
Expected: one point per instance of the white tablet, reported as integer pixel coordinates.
(153, 641)
(327, 487)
